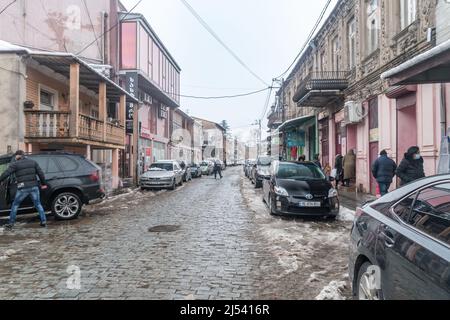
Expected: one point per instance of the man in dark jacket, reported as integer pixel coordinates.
(217, 169)
(26, 172)
(411, 167)
(383, 170)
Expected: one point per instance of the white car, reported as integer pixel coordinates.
(162, 174)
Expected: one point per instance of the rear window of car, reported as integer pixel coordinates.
(67, 164)
(299, 171)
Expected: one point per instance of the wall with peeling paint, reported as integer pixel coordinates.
(61, 25)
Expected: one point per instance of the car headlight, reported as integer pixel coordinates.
(333, 193)
(281, 191)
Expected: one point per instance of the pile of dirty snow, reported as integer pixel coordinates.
(333, 291)
(346, 214)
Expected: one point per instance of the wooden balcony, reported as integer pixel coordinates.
(56, 126)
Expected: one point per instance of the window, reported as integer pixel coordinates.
(373, 26)
(408, 10)
(352, 43)
(52, 166)
(431, 212)
(403, 209)
(67, 164)
(42, 162)
(335, 58)
(48, 98)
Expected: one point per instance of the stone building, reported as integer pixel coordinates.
(337, 82)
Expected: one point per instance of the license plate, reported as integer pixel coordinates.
(307, 204)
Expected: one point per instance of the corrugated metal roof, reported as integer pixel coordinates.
(60, 63)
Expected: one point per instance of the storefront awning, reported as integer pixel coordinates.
(432, 66)
(298, 122)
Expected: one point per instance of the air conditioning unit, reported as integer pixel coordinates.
(354, 112)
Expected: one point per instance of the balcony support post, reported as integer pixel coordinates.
(74, 99)
(102, 107)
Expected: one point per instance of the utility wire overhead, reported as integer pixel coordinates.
(227, 48)
(220, 97)
(311, 34)
(7, 6)
(109, 30)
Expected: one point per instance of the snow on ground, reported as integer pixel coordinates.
(346, 214)
(315, 249)
(333, 291)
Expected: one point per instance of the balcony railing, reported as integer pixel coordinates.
(322, 81)
(90, 128)
(56, 124)
(47, 124)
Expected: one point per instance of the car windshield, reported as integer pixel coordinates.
(266, 161)
(161, 166)
(294, 171)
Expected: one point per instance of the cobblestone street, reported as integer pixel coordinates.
(223, 245)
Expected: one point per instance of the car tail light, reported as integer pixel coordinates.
(95, 176)
(359, 212)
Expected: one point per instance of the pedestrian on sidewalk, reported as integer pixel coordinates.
(217, 169)
(349, 164)
(339, 170)
(302, 158)
(26, 172)
(383, 170)
(411, 167)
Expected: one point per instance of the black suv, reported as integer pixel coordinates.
(72, 180)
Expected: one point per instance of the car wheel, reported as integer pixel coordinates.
(174, 185)
(366, 288)
(271, 209)
(66, 206)
(181, 182)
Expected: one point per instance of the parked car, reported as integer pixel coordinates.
(162, 174)
(260, 171)
(187, 176)
(248, 167)
(207, 167)
(294, 188)
(196, 170)
(73, 181)
(400, 244)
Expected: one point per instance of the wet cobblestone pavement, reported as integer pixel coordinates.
(223, 244)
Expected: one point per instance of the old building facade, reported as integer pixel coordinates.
(337, 82)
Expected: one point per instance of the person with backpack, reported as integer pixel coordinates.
(383, 170)
(26, 172)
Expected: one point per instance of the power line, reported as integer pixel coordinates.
(7, 6)
(266, 105)
(220, 97)
(113, 27)
(211, 31)
(311, 34)
(92, 25)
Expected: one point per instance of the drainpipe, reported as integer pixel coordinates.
(443, 111)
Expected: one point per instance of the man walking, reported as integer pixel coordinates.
(26, 172)
(383, 170)
(411, 168)
(217, 169)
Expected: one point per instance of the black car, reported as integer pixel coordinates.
(73, 181)
(196, 170)
(301, 189)
(400, 244)
(260, 171)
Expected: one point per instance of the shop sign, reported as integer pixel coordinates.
(145, 133)
(131, 87)
(163, 113)
(374, 135)
(340, 116)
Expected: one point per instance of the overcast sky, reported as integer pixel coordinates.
(265, 34)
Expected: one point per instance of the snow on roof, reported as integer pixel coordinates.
(443, 47)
